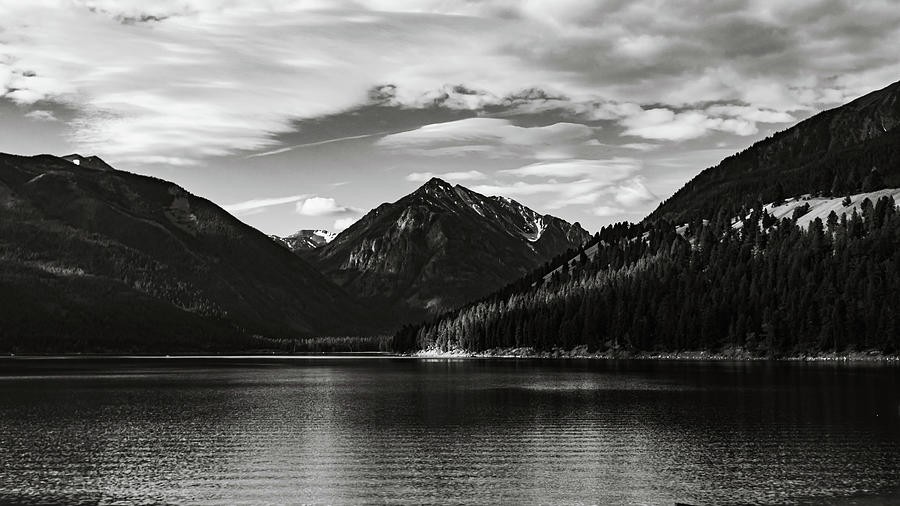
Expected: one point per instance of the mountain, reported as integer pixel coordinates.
(442, 246)
(305, 240)
(93, 258)
(831, 153)
(790, 247)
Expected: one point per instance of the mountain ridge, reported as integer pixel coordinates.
(446, 236)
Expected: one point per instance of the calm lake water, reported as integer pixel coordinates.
(364, 430)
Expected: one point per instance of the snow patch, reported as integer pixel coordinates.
(539, 226)
(325, 235)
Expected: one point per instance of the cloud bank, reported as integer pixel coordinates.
(179, 81)
(491, 137)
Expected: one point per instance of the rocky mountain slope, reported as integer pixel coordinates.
(442, 246)
(93, 258)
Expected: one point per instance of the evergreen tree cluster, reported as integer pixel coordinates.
(766, 286)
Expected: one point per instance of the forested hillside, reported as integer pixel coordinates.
(767, 286)
(850, 149)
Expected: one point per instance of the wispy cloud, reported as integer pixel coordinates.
(665, 124)
(469, 175)
(312, 144)
(605, 169)
(632, 193)
(41, 115)
(570, 189)
(605, 211)
(254, 205)
(578, 182)
(341, 224)
(202, 78)
(490, 136)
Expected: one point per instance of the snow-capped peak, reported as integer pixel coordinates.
(307, 239)
(325, 235)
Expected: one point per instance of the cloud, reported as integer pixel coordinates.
(207, 78)
(665, 124)
(577, 182)
(255, 205)
(176, 161)
(632, 193)
(323, 206)
(310, 144)
(490, 136)
(341, 224)
(421, 177)
(195, 79)
(640, 146)
(751, 113)
(611, 169)
(607, 211)
(41, 115)
(557, 194)
(569, 189)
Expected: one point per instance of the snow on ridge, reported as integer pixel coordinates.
(325, 235)
(539, 227)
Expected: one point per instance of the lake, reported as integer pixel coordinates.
(260, 430)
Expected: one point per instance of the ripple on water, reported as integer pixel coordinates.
(471, 431)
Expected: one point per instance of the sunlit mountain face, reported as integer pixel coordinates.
(440, 247)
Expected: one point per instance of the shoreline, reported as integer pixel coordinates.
(495, 353)
(731, 355)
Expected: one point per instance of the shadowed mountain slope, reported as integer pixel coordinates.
(106, 259)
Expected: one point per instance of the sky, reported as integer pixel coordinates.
(306, 114)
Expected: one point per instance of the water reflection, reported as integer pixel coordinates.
(439, 431)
